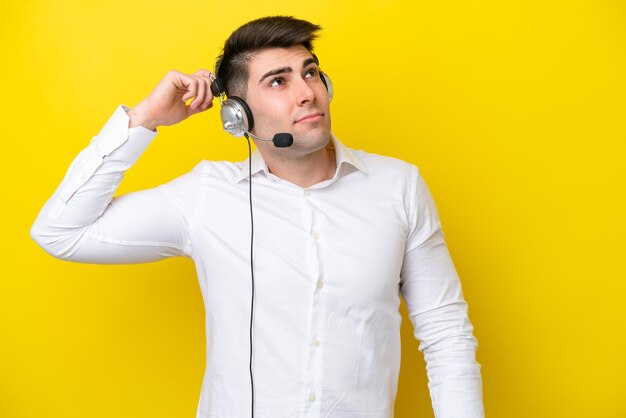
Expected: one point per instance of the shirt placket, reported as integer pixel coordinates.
(313, 375)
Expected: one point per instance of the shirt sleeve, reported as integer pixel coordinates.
(436, 306)
(82, 222)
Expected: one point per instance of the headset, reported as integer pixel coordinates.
(236, 115)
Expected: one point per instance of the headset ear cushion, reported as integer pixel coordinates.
(248, 124)
(328, 84)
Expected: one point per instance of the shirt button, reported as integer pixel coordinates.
(315, 236)
(320, 284)
(307, 193)
(315, 342)
(311, 397)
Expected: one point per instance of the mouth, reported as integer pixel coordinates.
(310, 118)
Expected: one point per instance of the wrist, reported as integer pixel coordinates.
(140, 117)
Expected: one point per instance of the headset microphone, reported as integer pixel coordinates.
(282, 140)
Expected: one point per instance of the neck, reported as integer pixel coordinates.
(306, 170)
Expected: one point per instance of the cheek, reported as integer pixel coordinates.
(270, 112)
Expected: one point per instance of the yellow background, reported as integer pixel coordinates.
(513, 110)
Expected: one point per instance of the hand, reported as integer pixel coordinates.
(166, 104)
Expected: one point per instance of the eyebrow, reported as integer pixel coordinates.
(283, 70)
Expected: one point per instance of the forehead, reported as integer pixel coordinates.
(273, 58)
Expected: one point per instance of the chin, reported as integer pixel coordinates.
(312, 142)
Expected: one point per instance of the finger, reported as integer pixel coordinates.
(204, 73)
(181, 81)
(208, 77)
(191, 85)
(208, 103)
(203, 99)
(204, 96)
(192, 109)
(208, 99)
(201, 89)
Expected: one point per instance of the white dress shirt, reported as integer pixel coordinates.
(331, 262)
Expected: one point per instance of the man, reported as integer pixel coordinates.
(339, 235)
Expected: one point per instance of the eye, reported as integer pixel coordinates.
(313, 72)
(278, 81)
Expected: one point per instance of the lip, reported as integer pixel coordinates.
(313, 117)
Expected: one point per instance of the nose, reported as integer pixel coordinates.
(305, 93)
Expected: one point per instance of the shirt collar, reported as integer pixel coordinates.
(343, 155)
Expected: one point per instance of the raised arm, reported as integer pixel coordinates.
(82, 222)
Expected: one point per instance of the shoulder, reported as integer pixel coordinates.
(188, 190)
(388, 168)
(203, 173)
(218, 169)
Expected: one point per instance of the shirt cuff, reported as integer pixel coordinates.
(116, 132)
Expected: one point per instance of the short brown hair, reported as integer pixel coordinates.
(259, 34)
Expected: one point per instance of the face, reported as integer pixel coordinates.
(286, 94)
